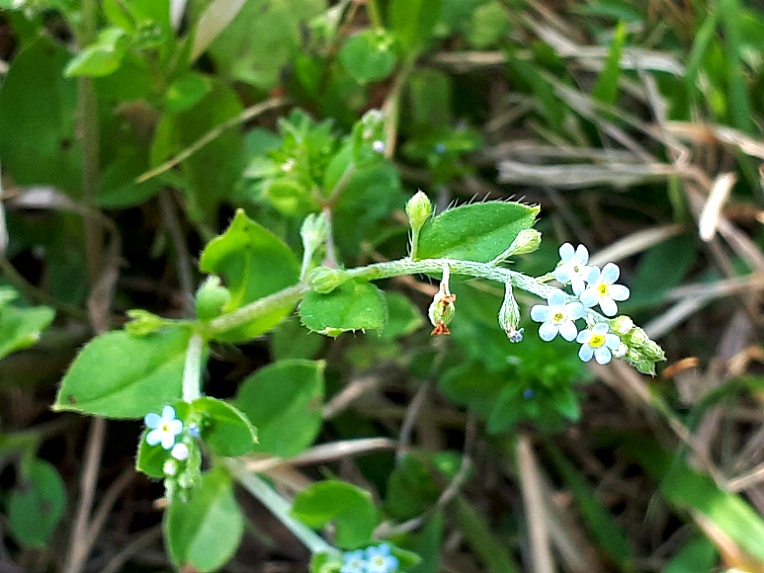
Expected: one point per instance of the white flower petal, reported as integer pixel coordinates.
(582, 255)
(585, 353)
(562, 274)
(602, 355)
(578, 285)
(566, 252)
(589, 297)
(568, 330)
(547, 331)
(540, 312)
(175, 427)
(168, 413)
(152, 420)
(593, 275)
(584, 337)
(619, 292)
(154, 437)
(610, 273)
(574, 310)
(167, 440)
(557, 298)
(608, 306)
(612, 341)
(600, 328)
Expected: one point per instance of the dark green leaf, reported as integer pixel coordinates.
(284, 400)
(143, 374)
(412, 21)
(350, 508)
(36, 503)
(204, 532)
(478, 232)
(21, 327)
(606, 88)
(352, 306)
(227, 431)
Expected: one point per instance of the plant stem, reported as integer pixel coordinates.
(279, 507)
(372, 9)
(192, 371)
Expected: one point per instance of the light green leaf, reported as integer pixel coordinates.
(350, 508)
(118, 375)
(284, 400)
(403, 316)
(352, 306)
(101, 58)
(478, 232)
(226, 430)
(37, 119)
(21, 327)
(187, 91)
(412, 21)
(203, 533)
(36, 503)
(697, 554)
(254, 263)
(369, 56)
(606, 88)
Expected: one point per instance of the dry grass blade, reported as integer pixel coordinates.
(620, 175)
(711, 212)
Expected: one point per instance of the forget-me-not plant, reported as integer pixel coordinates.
(557, 316)
(164, 428)
(602, 289)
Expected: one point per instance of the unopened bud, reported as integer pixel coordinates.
(418, 209)
(211, 298)
(143, 322)
(314, 231)
(324, 280)
(636, 338)
(509, 315)
(621, 325)
(527, 241)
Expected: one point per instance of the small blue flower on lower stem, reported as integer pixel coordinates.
(353, 562)
(379, 559)
(598, 342)
(164, 428)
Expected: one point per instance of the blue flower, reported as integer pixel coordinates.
(557, 316)
(572, 267)
(164, 428)
(353, 562)
(379, 559)
(603, 291)
(598, 342)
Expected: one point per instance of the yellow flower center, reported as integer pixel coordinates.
(558, 317)
(602, 289)
(596, 340)
(165, 427)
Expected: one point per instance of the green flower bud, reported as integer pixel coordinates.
(621, 325)
(314, 231)
(324, 280)
(211, 298)
(418, 209)
(143, 322)
(527, 241)
(509, 315)
(653, 351)
(636, 338)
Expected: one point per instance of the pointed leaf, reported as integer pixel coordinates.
(352, 306)
(21, 327)
(118, 375)
(478, 232)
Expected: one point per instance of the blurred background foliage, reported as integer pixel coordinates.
(130, 131)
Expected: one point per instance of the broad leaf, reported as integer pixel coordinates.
(350, 508)
(226, 430)
(36, 504)
(413, 21)
(478, 232)
(352, 306)
(203, 533)
(118, 375)
(21, 327)
(369, 55)
(284, 400)
(254, 263)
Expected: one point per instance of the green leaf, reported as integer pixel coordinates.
(284, 400)
(352, 306)
(291, 340)
(37, 119)
(412, 21)
(350, 508)
(254, 263)
(688, 489)
(369, 56)
(403, 316)
(226, 430)
(478, 232)
(21, 327)
(101, 58)
(187, 91)
(697, 554)
(118, 375)
(487, 25)
(473, 386)
(203, 533)
(606, 88)
(150, 459)
(36, 503)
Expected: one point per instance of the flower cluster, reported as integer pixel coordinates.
(374, 559)
(591, 286)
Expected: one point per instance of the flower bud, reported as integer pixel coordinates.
(314, 231)
(143, 322)
(324, 280)
(418, 209)
(636, 338)
(211, 298)
(621, 325)
(509, 315)
(527, 241)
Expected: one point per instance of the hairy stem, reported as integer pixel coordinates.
(193, 369)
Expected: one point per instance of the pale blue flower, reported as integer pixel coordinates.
(598, 342)
(572, 267)
(557, 316)
(164, 428)
(379, 559)
(353, 562)
(603, 291)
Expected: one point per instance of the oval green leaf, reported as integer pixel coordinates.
(21, 327)
(36, 504)
(284, 400)
(369, 55)
(227, 431)
(118, 375)
(351, 509)
(203, 533)
(254, 263)
(351, 306)
(478, 232)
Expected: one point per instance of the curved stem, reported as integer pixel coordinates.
(192, 371)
